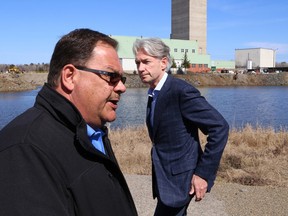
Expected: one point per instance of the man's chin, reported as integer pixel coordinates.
(145, 81)
(111, 118)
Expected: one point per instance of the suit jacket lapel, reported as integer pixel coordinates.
(161, 104)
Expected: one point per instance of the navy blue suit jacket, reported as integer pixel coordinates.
(179, 112)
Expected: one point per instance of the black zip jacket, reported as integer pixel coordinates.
(49, 167)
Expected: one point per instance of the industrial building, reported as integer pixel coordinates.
(189, 22)
(188, 36)
(255, 58)
(178, 48)
(189, 27)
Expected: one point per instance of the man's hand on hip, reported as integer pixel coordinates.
(198, 187)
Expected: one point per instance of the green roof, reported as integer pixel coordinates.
(177, 49)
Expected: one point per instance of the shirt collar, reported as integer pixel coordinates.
(91, 131)
(159, 85)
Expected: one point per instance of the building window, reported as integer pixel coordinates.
(186, 50)
(182, 50)
(200, 65)
(175, 49)
(193, 65)
(193, 50)
(206, 65)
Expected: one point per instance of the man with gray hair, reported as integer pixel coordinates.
(175, 112)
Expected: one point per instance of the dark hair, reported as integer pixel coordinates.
(75, 48)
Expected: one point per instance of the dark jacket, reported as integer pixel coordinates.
(49, 166)
(180, 111)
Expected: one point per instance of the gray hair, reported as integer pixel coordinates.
(154, 47)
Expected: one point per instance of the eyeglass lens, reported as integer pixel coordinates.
(116, 78)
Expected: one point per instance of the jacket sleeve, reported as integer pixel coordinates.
(29, 183)
(201, 114)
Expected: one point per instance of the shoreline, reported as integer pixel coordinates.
(30, 80)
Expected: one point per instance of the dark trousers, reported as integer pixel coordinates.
(163, 210)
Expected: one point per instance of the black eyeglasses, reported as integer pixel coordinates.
(114, 78)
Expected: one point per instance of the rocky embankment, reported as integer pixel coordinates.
(209, 79)
(219, 79)
(28, 81)
(10, 82)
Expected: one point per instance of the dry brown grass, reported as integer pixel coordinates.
(253, 156)
(132, 148)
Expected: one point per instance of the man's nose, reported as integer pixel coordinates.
(141, 67)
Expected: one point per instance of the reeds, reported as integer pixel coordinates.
(253, 156)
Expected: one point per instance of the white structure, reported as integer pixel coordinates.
(253, 58)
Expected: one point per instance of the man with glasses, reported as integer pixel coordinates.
(56, 158)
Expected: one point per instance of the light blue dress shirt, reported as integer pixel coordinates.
(95, 137)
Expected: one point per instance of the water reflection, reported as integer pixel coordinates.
(264, 106)
(14, 103)
(131, 109)
(258, 106)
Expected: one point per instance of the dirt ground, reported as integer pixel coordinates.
(21, 82)
(225, 199)
(30, 80)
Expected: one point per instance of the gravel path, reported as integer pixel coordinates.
(225, 199)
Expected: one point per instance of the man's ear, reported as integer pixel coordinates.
(68, 74)
(164, 63)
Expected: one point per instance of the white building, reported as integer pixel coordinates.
(255, 58)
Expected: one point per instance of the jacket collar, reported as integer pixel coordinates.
(59, 107)
(63, 111)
